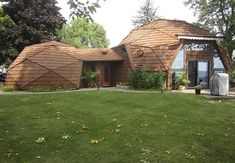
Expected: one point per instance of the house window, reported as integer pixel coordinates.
(217, 63)
(177, 67)
(198, 47)
(178, 64)
(91, 67)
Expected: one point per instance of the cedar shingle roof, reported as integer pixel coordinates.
(99, 54)
(54, 64)
(47, 64)
(162, 32)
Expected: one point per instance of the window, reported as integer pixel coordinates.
(178, 64)
(91, 67)
(198, 47)
(177, 67)
(217, 63)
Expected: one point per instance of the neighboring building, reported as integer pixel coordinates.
(164, 45)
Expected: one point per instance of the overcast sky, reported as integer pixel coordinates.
(115, 15)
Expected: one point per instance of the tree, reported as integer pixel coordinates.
(35, 22)
(5, 20)
(83, 10)
(146, 14)
(7, 27)
(218, 15)
(82, 33)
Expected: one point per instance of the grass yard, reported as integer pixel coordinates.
(110, 126)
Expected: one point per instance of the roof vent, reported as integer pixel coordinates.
(104, 52)
(140, 53)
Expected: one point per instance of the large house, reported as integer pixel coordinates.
(163, 45)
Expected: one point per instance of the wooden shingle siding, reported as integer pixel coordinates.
(152, 57)
(50, 80)
(45, 65)
(122, 69)
(162, 32)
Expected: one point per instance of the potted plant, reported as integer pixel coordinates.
(90, 79)
(119, 84)
(182, 81)
(198, 89)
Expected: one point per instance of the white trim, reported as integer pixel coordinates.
(199, 38)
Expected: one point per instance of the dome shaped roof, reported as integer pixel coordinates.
(162, 32)
(46, 64)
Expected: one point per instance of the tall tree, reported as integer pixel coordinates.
(82, 33)
(35, 21)
(218, 15)
(146, 14)
(7, 27)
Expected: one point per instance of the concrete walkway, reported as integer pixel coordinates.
(79, 90)
(205, 93)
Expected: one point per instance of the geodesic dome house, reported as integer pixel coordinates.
(50, 64)
(172, 46)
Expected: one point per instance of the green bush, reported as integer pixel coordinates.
(182, 80)
(144, 79)
(90, 78)
(7, 88)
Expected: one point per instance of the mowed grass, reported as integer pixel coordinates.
(129, 127)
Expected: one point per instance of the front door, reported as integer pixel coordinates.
(198, 73)
(106, 75)
(192, 73)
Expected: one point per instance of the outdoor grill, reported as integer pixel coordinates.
(219, 84)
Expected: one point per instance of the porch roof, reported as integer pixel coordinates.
(203, 38)
(99, 54)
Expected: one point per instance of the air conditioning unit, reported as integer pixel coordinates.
(219, 84)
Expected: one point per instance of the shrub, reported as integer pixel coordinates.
(144, 79)
(7, 88)
(182, 80)
(90, 78)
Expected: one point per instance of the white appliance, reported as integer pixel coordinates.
(219, 84)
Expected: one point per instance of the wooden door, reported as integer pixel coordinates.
(107, 75)
(192, 73)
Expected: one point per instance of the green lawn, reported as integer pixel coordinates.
(129, 127)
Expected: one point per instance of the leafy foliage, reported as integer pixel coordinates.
(218, 15)
(5, 20)
(83, 10)
(90, 79)
(7, 28)
(182, 80)
(83, 33)
(35, 22)
(143, 79)
(146, 14)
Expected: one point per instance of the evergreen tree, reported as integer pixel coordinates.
(146, 14)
